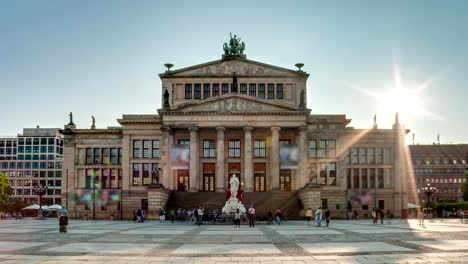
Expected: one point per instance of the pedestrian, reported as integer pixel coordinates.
(318, 217)
(237, 218)
(270, 216)
(285, 214)
(135, 216)
(194, 215)
(374, 216)
(382, 215)
(162, 215)
(172, 215)
(327, 216)
(138, 213)
(200, 215)
(63, 219)
(142, 215)
(420, 217)
(251, 216)
(278, 216)
(308, 215)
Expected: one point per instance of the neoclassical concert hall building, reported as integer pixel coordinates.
(233, 116)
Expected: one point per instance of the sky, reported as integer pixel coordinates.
(102, 58)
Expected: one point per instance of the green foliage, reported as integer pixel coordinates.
(450, 206)
(5, 190)
(464, 188)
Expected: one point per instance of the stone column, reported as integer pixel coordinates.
(166, 168)
(193, 179)
(219, 181)
(301, 177)
(248, 161)
(274, 158)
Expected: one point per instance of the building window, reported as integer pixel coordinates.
(261, 90)
(89, 156)
(371, 156)
(146, 174)
(323, 174)
(188, 91)
(372, 178)
(120, 155)
(259, 148)
(215, 89)
(225, 88)
(253, 89)
(243, 88)
(105, 156)
(197, 91)
(312, 148)
(136, 148)
(379, 155)
(113, 155)
(206, 91)
(364, 178)
(146, 148)
(97, 156)
(155, 148)
(136, 174)
(380, 176)
(363, 156)
(355, 155)
(322, 148)
(271, 91)
(331, 148)
(208, 148)
(234, 148)
(332, 173)
(279, 91)
(356, 178)
(35, 141)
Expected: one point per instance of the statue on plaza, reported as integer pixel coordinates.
(233, 203)
(235, 46)
(234, 182)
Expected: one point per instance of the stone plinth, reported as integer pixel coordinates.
(157, 199)
(310, 196)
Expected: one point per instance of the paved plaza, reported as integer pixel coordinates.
(115, 242)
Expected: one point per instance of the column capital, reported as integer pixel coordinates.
(165, 128)
(302, 128)
(193, 128)
(275, 128)
(220, 129)
(248, 129)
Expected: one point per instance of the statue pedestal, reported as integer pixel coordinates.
(157, 199)
(231, 206)
(310, 196)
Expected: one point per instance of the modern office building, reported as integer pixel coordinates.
(240, 117)
(31, 159)
(440, 166)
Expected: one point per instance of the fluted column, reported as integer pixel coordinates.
(193, 180)
(166, 158)
(248, 162)
(274, 158)
(219, 181)
(301, 178)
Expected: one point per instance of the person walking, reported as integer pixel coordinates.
(200, 215)
(308, 215)
(237, 218)
(278, 216)
(327, 217)
(63, 219)
(172, 215)
(420, 217)
(162, 215)
(374, 216)
(318, 217)
(270, 216)
(251, 216)
(138, 213)
(382, 216)
(142, 215)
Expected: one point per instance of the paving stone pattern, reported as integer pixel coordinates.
(35, 241)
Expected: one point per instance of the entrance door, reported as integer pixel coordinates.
(209, 177)
(182, 180)
(259, 177)
(285, 180)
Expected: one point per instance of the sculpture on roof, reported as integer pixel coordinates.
(93, 125)
(166, 99)
(71, 119)
(235, 47)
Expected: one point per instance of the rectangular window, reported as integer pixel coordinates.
(206, 90)
(243, 88)
(279, 91)
(332, 173)
(188, 91)
(155, 148)
(184, 141)
(105, 156)
(379, 155)
(105, 184)
(356, 178)
(35, 149)
(363, 155)
(364, 178)
(35, 141)
(136, 174)
(259, 148)
(197, 91)
(331, 148)
(50, 149)
(261, 90)
(113, 154)
(372, 178)
(97, 156)
(371, 155)
(225, 88)
(253, 89)
(20, 142)
(312, 148)
(355, 155)
(271, 91)
(380, 176)
(136, 148)
(120, 155)
(146, 148)
(323, 174)
(322, 148)
(208, 148)
(234, 148)
(146, 174)
(215, 89)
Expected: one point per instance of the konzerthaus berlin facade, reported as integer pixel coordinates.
(235, 114)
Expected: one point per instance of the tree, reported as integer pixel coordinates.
(464, 187)
(5, 190)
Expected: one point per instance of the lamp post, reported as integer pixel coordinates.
(428, 190)
(40, 191)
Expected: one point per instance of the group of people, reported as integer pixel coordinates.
(319, 215)
(376, 214)
(139, 216)
(9, 216)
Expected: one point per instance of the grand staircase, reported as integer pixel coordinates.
(262, 201)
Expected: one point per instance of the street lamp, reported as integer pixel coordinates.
(40, 191)
(428, 190)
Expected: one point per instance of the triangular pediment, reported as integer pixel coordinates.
(234, 103)
(237, 65)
